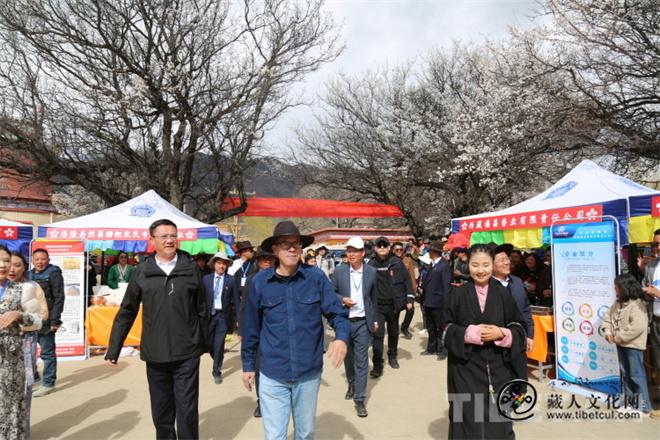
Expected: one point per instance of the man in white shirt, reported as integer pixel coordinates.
(354, 283)
(168, 285)
(223, 300)
(245, 252)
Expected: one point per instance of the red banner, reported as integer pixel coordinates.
(655, 206)
(59, 247)
(533, 219)
(9, 232)
(112, 234)
(311, 208)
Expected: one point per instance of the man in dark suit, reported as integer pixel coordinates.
(435, 287)
(515, 286)
(223, 300)
(354, 283)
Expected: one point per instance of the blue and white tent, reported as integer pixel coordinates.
(125, 227)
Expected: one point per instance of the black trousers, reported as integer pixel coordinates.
(385, 315)
(407, 319)
(433, 325)
(174, 393)
(217, 334)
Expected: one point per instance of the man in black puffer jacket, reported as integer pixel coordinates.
(392, 294)
(175, 320)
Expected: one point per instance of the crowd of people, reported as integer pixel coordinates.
(475, 304)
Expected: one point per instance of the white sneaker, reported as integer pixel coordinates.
(423, 332)
(43, 391)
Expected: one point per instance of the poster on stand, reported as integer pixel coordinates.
(69, 256)
(584, 266)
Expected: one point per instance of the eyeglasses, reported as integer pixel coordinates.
(123, 257)
(166, 237)
(398, 250)
(382, 245)
(286, 245)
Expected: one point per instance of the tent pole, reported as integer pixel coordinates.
(102, 266)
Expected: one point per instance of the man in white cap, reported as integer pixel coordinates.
(355, 285)
(223, 300)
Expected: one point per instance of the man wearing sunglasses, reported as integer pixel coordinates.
(282, 325)
(399, 251)
(393, 293)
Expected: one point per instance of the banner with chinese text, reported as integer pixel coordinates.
(532, 219)
(69, 256)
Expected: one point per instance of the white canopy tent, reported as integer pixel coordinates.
(586, 191)
(126, 227)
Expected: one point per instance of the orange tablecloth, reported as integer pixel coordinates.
(99, 324)
(543, 324)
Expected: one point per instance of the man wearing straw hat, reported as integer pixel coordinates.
(222, 298)
(282, 325)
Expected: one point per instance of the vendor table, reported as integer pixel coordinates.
(99, 324)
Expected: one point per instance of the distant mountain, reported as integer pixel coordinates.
(270, 177)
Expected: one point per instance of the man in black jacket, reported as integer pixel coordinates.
(435, 287)
(49, 277)
(393, 293)
(174, 333)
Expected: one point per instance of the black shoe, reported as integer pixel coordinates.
(350, 393)
(406, 333)
(217, 379)
(257, 411)
(442, 355)
(376, 373)
(361, 409)
(428, 353)
(393, 363)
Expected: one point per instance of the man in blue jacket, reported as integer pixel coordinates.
(435, 287)
(223, 300)
(282, 325)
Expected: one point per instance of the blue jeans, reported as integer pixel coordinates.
(277, 400)
(633, 377)
(47, 344)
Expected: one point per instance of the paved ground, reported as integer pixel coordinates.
(95, 401)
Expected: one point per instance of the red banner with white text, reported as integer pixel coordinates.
(529, 220)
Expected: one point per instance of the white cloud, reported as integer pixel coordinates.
(380, 33)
